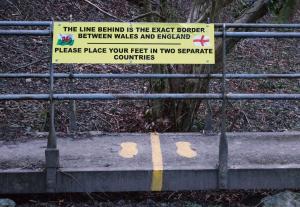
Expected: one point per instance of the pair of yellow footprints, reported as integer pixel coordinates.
(130, 149)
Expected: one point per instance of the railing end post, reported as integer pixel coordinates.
(223, 162)
(52, 164)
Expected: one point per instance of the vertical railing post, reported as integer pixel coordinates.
(72, 103)
(51, 153)
(208, 128)
(72, 107)
(223, 145)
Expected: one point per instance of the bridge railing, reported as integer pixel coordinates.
(52, 154)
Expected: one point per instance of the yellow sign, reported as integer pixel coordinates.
(133, 43)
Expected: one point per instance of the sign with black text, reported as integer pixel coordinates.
(133, 43)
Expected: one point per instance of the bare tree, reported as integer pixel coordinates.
(181, 114)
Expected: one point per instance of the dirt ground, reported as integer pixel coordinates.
(167, 199)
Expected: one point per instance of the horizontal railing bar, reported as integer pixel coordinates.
(178, 96)
(26, 32)
(25, 23)
(259, 34)
(254, 25)
(8, 97)
(228, 25)
(217, 34)
(147, 76)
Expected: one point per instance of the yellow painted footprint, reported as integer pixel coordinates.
(184, 150)
(129, 150)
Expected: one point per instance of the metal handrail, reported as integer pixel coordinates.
(228, 25)
(153, 96)
(217, 34)
(52, 155)
(150, 76)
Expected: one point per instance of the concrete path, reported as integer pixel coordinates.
(137, 151)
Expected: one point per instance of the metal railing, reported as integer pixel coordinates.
(52, 155)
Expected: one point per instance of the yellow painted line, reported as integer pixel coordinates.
(157, 161)
(129, 149)
(184, 149)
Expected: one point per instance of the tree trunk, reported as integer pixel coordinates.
(180, 115)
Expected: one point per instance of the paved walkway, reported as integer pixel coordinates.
(174, 151)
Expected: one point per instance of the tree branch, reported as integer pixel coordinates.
(256, 11)
(103, 11)
(204, 16)
(145, 15)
